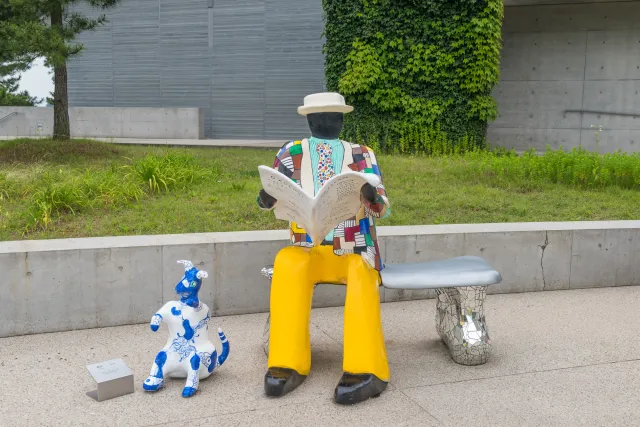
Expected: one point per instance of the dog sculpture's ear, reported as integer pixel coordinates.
(202, 275)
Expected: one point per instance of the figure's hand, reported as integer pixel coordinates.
(155, 322)
(369, 193)
(266, 200)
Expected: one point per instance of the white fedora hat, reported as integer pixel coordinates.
(327, 102)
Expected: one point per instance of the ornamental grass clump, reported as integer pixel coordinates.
(577, 167)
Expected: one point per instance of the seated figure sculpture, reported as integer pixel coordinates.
(188, 352)
(349, 256)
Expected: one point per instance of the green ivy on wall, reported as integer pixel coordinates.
(413, 68)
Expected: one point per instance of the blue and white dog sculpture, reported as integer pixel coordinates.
(188, 352)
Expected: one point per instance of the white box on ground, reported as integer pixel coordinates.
(114, 379)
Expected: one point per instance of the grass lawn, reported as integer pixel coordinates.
(221, 195)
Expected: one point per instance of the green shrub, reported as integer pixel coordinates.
(6, 186)
(171, 170)
(55, 195)
(67, 192)
(431, 141)
(108, 188)
(407, 64)
(577, 167)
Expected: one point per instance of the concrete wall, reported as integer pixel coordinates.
(107, 122)
(569, 57)
(247, 63)
(58, 285)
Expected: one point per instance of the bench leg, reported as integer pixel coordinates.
(265, 335)
(461, 324)
(268, 273)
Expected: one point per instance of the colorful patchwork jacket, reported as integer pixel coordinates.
(355, 235)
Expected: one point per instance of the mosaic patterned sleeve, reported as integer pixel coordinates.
(278, 165)
(381, 207)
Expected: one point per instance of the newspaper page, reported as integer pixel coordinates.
(337, 200)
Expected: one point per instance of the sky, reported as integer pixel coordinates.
(37, 81)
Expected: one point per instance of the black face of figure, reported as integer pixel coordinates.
(325, 125)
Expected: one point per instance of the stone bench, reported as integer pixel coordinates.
(460, 284)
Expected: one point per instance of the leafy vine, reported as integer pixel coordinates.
(414, 65)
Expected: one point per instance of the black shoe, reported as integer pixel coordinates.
(354, 388)
(280, 381)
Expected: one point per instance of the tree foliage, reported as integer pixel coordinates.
(412, 65)
(13, 59)
(38, 30)
(10, 94)
(12, 62)
(47, 28)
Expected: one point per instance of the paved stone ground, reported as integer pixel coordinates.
(560, 358)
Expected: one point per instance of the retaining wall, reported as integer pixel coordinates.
(107, 122)
(59, 285)
(565, 67)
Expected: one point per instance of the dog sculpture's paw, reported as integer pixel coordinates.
(189, 391)
(155, 322)
(153, 384)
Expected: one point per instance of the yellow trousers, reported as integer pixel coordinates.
(295, 273)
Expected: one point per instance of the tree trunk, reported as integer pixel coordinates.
(61, 128)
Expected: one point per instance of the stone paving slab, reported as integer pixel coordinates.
(560, 358)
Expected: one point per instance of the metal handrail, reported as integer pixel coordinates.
(612, 113)
(7, 116)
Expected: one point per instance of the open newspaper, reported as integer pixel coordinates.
(337, 200)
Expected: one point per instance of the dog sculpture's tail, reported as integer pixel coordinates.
(225, 347)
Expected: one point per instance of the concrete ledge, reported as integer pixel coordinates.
(60, 285)
(106, 122)
(241, 143)
(238, 143)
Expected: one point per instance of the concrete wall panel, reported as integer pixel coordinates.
(185, 55)
(612, 95)
(611, 140)
(569, 57)
(598, 256)
(520, 269)
(555, 259)
(136, 54)
(621, 96)
(538, 104)
(613, 55)
(107, 122)
(240, 288)
(523, 139)
(238, 69)
(77, 289)
(543, 56)
(126, 284)
(294, 64)
(90, 74)
(572, 17)
(548, 2)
